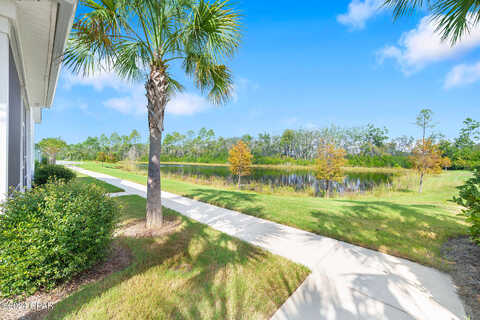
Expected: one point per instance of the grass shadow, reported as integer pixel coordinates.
(411, 231)
(204, 271)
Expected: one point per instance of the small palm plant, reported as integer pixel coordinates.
(140, 40)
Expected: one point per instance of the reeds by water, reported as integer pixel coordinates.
(403, 180)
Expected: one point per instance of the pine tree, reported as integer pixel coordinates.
(52, 146)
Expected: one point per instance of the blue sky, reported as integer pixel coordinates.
(301, 65)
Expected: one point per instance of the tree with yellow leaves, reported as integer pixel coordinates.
(329, 164)
(446, 163)
(426, 159)
(240, 159)
(102, 157)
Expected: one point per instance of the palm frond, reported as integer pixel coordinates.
(213, 28)
(405, 7)
(221, 85)
(97, 36)
(173, 85)
(129, 36)
(216, 79)
(211, 34)
(132, 59)
(453, 18)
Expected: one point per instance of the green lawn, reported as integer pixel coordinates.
(194, 273)
(82, 179)
(406, 224)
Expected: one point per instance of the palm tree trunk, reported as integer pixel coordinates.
(157, 97)
(154, 190)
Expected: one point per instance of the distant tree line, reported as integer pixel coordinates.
(368, 146)
(105, 148)
(464, 151)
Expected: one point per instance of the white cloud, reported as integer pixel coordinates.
(462, 74)
(98, 80)
(131, 99)
(291, 121)
(133, 103)
(182, 104)
(63, 103)
(243, 85)
(186, 104)
(126, 105)
(83, 106)
(359, 12)
(422, 46)
(310, 126)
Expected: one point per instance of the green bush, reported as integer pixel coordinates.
(50, 233)
(469, 197)
(44, 173)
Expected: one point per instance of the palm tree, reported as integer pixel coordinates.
(454, 18)
(141, 40)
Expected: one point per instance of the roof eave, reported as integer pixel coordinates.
(65, 15)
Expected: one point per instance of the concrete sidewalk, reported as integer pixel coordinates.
(347, 281)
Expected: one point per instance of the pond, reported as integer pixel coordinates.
(298, 179)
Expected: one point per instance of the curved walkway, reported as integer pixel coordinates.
(347, 281)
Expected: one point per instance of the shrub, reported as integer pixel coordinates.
(379, 161)
(469, 197)
(44, 173)
(101, 156)
(50, 233)
(111, 158)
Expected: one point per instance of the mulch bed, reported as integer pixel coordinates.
(38, 305)
(137, 229)
(465, 272)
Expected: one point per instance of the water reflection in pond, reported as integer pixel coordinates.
(298, 179)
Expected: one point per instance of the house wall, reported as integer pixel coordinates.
(15, 127)
(4, 114)
(33, 35)
(16, 120)
(29, 161)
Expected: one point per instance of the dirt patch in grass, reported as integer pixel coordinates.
(137, 228)
(465, 272)
(38, 305)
